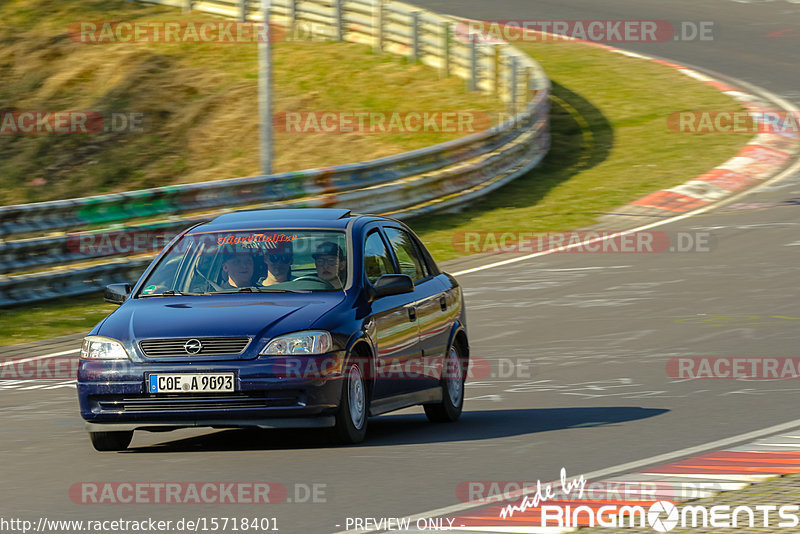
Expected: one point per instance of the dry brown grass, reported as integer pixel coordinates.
(199, 101)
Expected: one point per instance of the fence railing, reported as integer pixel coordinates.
(72, 258)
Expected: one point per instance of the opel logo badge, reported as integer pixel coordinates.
(193, 346)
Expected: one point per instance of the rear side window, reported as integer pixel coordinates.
(377, 260)
(408, 255)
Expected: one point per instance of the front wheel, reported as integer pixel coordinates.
(453, 377)
(351, 421)
(111, 441)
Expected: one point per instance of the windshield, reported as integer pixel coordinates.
(271, 260)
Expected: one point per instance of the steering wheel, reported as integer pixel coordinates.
(314, 278)
(208, 281)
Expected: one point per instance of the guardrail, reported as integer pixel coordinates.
(403, 185)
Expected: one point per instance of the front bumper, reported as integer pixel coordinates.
(113, 395)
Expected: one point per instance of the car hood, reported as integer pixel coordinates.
(256, 316)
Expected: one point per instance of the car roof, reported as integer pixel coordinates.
(333, 218)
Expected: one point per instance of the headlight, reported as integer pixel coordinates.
(307, 342)
(102, 348)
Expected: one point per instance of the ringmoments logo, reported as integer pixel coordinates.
(659, 509)
(562, 505)
(664, 516)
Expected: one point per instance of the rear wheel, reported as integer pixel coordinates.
(453, 377)
(111, 441)
(351, 421)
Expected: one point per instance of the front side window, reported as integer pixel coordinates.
(251, 261)
(408, 255)
(377, 260)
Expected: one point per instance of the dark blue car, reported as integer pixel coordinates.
(277, 319)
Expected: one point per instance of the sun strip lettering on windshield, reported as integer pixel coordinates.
(230, 239)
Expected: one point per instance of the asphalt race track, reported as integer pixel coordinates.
(587, 338)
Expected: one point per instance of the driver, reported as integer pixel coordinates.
(239, 269)
(330, 263)
(279, 264)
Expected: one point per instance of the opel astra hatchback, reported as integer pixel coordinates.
(277, 319)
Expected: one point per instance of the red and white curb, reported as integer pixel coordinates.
(696, 477)
(762, 157)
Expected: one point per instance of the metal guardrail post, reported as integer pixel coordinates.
(415, 51)
(339, 20)
(292, 18)
(243, 10)
(514, 84)
(265, 89)
(379, 26)
(496, 69)
(530, 79)
(445, 72)
(473, 64)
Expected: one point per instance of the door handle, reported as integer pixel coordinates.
(412, 314)
(443, 302)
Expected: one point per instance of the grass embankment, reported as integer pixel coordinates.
(199, 102)
(610, 145)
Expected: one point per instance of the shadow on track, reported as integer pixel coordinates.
(410, 429)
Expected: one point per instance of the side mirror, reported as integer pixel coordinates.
(117, 293)
(393, 284)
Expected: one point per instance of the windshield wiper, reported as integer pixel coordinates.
(269, 290)
(167, 293)
(251, 289)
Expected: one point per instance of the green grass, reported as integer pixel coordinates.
(610, 145)
(52, 318)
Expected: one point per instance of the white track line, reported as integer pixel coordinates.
(672, 455)
(622, 468)
(712, 476)
(34, 358)
(791, 170)
(788, 106)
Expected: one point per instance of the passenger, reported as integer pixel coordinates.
(239, 268)
(279, 264)
(330, 262)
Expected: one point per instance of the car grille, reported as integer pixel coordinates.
(198, 402)
(212, 346)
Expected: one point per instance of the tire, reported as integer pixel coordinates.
(453, 378)
(351, 420)
(111, 441)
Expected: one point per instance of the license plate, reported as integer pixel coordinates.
(190, 383)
